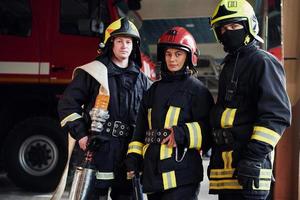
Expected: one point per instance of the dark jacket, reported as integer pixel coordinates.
(127, 87)
(183, 104)
(252, 110)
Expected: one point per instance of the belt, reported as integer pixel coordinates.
(156, 136)
(222, 137)
(116, 129)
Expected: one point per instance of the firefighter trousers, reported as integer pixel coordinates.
(186, 192)
(242, 197)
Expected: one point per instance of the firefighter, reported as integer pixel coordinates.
(252, 109)
(172, 124)
(120, 54)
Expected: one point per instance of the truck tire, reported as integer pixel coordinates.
(35, 154)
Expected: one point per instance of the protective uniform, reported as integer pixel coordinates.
(251, 113)
(181, 102)
(127, 86)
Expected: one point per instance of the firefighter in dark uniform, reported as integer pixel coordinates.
(252, 109)
(121, 56)
(172, 124)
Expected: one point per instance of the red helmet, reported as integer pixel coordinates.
(178, 37)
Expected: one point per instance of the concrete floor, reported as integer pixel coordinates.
(9, 192)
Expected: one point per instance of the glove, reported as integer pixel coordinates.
(95, 142)
(247, 173)
(133, 162)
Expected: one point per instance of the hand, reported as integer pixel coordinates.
(170, 139)
(247, 173)
(130, 174)
(83, 143)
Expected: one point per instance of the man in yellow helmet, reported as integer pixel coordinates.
(252, 109)
(120, 55)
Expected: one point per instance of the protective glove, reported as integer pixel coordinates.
(133, 162)
(247, 173)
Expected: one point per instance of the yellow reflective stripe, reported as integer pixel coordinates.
(195, 135)
(165, 151)
(228, 173)
(70, 118)
(145, 149)
(169, 180)
(172, 117)
(105, 175)
(263, 185)
(227, 159)
(224, 184)
(171, 120)
(265, 174)
(149, 118)
(228, 117)
(135, 147)
(221, 173)
(265, 135)
(233, 184)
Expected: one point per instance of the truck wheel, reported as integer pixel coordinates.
(35, 154)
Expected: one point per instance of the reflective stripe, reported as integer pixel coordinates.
(145, 149)
(165, 151)
(194, 135)
(171, 120)
(105, 175)
(224, 184)
(221, 173)
(135, 147)
(265, 135)
(169, 180)
(70, 118)
(265, 174)
(233, 184)
(172, 117)
(228, 117)
(227, 159)
(228, 173)
(149, 118)
(263, 185)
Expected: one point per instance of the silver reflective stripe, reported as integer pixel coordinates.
(265, 173)
(195, 135)
(169, 180)
(228, 117)
(265, 135)
(70, 118)
(105, 175)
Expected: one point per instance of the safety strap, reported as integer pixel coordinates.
(98, 71)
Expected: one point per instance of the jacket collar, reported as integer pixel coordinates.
(113, 69)
(244, 50)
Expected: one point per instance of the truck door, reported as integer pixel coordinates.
(78, 28)
(19, 38)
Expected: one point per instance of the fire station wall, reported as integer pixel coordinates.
(287, 185)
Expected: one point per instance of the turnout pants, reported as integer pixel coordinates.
(186, 192)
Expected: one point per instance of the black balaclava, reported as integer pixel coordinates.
(233, 39)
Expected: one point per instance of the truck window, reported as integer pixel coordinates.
(83, 17)
(15, 17)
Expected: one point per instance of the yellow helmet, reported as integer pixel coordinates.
(122, 26)
(235, 11)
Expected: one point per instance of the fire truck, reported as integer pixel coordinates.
(41, 42)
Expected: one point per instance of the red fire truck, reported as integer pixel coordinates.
(41, 42)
